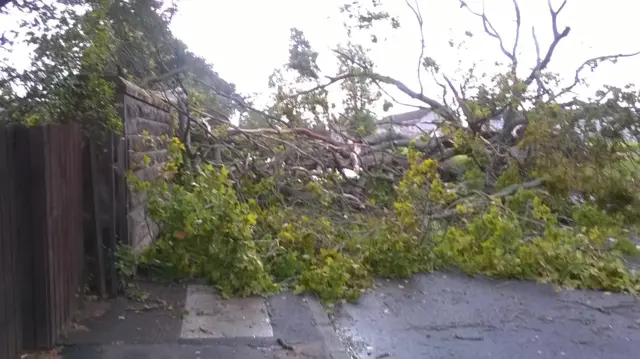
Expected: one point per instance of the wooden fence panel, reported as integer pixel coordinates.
(10, 281)
(22, 169)
(38, 314)
(41, 233)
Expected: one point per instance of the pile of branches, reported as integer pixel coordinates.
(345, 166)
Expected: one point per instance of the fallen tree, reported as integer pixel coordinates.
(315, 197)
(308, 193)
(290, 132)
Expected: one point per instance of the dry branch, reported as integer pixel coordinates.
(592, 63)
(491, 30)
(477, 198)
(557, 36)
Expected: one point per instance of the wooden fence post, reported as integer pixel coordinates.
(10, 279)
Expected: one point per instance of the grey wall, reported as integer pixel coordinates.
(147, 118)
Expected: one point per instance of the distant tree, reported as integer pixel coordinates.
(95, 38)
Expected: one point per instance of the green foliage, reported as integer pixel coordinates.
(475, 178)
(207, 233)
(246, 240)
(127, 262)
(601, 168)
(626, 247)
(382, 192)
(65, 79)
(495, 244)
(77, 49)
(509, 177)
(333, 277)
(391, 253)
(358, 119)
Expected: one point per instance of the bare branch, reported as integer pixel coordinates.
(298, 131)
(554, 16)
(444, 111)
(461, 101)
(144, 83)
(557, 36)
(593, 63)
(384, 91)
(491, 31)
(435, 105)
(514, 188)
(452, 211)
(416, 11)
(541, 88)
(518, 23)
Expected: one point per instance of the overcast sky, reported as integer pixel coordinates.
(246, 39)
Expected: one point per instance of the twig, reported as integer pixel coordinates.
(593, 62)
(416, 12)
(457, 336)
(491, 31)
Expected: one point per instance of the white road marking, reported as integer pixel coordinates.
(209, 316)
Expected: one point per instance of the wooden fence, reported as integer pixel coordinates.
(41, 233)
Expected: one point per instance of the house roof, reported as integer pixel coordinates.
(405, 116)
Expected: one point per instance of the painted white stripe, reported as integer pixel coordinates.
(209, 316)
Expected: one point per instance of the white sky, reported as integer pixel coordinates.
(246, 39)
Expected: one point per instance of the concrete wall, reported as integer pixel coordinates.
(147, 118)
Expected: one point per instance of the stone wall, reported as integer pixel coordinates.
(147, 119)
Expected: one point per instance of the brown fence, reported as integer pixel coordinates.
(41, 233)
(10, 278)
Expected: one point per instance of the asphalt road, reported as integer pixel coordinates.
(453, 316)
(432, 316)
(191, 321)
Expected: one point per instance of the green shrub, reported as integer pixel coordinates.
(248, 240)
